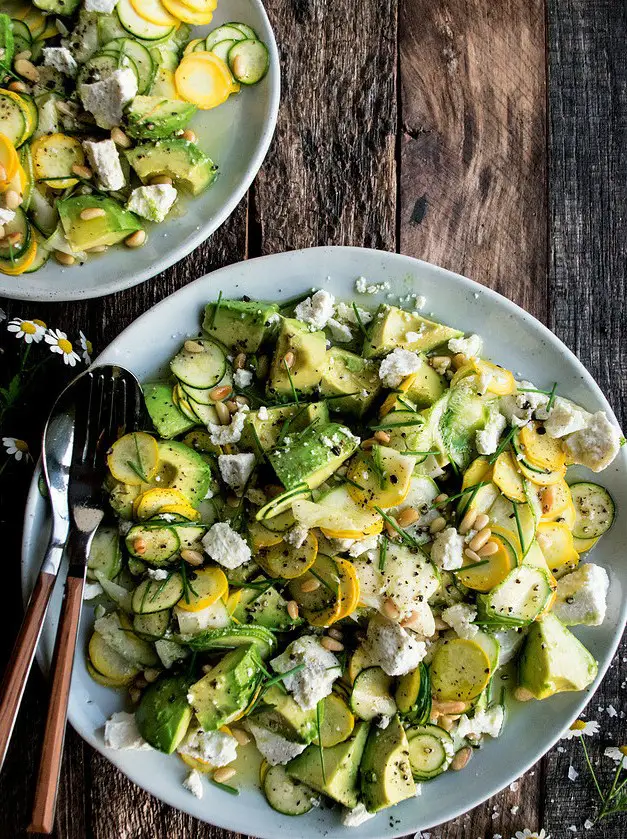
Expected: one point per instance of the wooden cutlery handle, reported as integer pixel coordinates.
(18, 668)
(52, 750)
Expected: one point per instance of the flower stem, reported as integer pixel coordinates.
(592, 772)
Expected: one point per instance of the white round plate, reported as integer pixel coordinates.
(236, 137)
(512, 338)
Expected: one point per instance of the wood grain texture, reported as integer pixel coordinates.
(472, 141)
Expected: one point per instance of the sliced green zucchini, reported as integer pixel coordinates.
(43, 253)
(222, 48)
(12, 119)
(155, 545)
(18, 225)
(372, 695)
(282, 502)
(248, 31)
(519, 599)
(431, 751)
(153, 625)
(249, 61)
(594, 509)
(285, 794)
(157, 595)
(105, 554)
(234, 636)
(222, 33)
(141, 57)
(413, 695)
(200, 369)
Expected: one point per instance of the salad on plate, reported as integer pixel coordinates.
(349, 542)
(96, 112)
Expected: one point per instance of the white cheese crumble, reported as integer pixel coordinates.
(339, 331)
(344, 311)
(152, 202)
(471, 346)
(483, 722)
(106, 99)
(103, 6)
(564, 418)
(6, 216)
(315, 681)
(105, 161)
(121, 733)
(262, 413)
(397, 366)
(362, 286)
(225, 546)
(220, 435)
(362, 546)
(316, 310)
(518, 408)
(215, 747)
(276, 749)
(92, 590)
(460, 618)
(392, 647)
(581, 596)
(411, 337)
(193, 783)
(296, 536)
(487, 438)
(61, 59)
(157, 573)
(448, 550)
(357, 816)
(236, 469)
(596, 445)
(214, 616)
(243, 378)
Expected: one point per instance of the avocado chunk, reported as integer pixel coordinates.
(163, 715)
(57, 7)
(183, 469)
(309, 350)
(553, 660)
(155, 117)
(421, 389)
(270, 610)
(280, 713)
(167, 419)
(262, 434)
(116, 224)
(341, 767)
(347, 373)
(183, 161)
(313, 455)
(392, 328)
(386, 776)
(242, 326)
(227, 689)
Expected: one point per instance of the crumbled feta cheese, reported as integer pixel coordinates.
(448, 549)
(61, 59)
(152, 202)
(460, 618)
(470, 346)
(106, 99)
(339, 331)
(170, 652)
(315, 681)
(483, 722)
(296, 536)
(243, 378)
(564, 418)
(581, 596)
(276, 749)
(102, 6)
(596, 445)
(105, 161)
(225, 546)
(357, 816)
(362, 546)
(236, 469)
(397, 366)
(220, 435)
(518, 408)
(121, 733)
(6, 216)
(316, 310)
(345, 312)
(262, 413)
(214, 616)
(91, 590)
(411, 337)
(157, 573)
(362, 286)
(392, 647)
(214, 747)
(193, 783)
(487, 438)
(383, 721)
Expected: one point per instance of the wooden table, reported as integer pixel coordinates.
(417, 126)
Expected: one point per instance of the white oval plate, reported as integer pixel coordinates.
(236, 136)
(513, 338)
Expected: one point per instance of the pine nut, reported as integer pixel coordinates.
(3, 173)
(382, 437)
(151, 675)
(92, 212)
(389, 609)
(440, 362)
(335, 633)
(220, 393)
(448, 706)
(407, 516)
(391, 531)
(193, 347)
(548, 498)
(480, 539)
(481, 521)
(242, 400)
(232, 405)
(18, 87)
(63, 108)
(189, 135)
(161, 179)
(461, 758)
(440, 624)
(12, 238)
(523, 695)
(468, 521)
(446, 722)
(459, 360)
(26, 68)
(192, 557)
(24, 54)
(288, 359)
(64, 258)
(224, 774)
(120, 138)
(223, 413)
(206, 668)
(437, 525)
(139, 545)
(470, 554)
(239, 362)
(82, 171)
(232, 500)
(441, 497)
(12, 199)
(136, 239)
(368, 444)
(135, 695)
(241, 736)
(309, 585)
(292, 609)
(331, 644)
(489, 549)
(411, 621)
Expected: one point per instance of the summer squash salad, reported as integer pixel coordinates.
(345, 536)
(96, 101)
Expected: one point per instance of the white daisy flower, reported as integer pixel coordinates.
(59, 344)
(16, 448)
(531, 834)
(618, 754)
(86, 347)
(580, 728)
(28, 330)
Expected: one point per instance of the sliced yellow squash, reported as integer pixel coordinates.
(478, 471)
(54, 155)
(337, 721)
(381, 477)
(8, 157)
(185, 510)
(484, 577)
(149, 503)
(349, 587)
(206, 587)
(507, 477)
(183, 12)
(21, 263)
(109, 662)
(556, 543)
(320, 607)
(542, 477)
(460, 670)
(287, 562)
(539, 449)
(204, 79)
(134, 458)
(154, 12)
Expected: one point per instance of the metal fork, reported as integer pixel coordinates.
(108, 404)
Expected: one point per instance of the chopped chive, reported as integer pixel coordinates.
(406, 537)
(215, 310)
(503, 444)
(320, 749)
(10, 72)
(533, 390)
(519, 527)
(360, 323)
(378, 468)
(474, 565)
(418, 454)
(289, 376)
(226, 787)
(383, 553)
(549, 404)
(136, 470)
(324, 582)
(281, 676)
(408, 405)
(187, 586)
(354, 483)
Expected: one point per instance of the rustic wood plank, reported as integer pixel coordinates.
(472, 144)
(331, 175)
(588, 289)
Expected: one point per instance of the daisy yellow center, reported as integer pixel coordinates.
(28, 327)
(65, 346)
(578, 725)
(39, 323)
(21, 445)
(623, 749)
